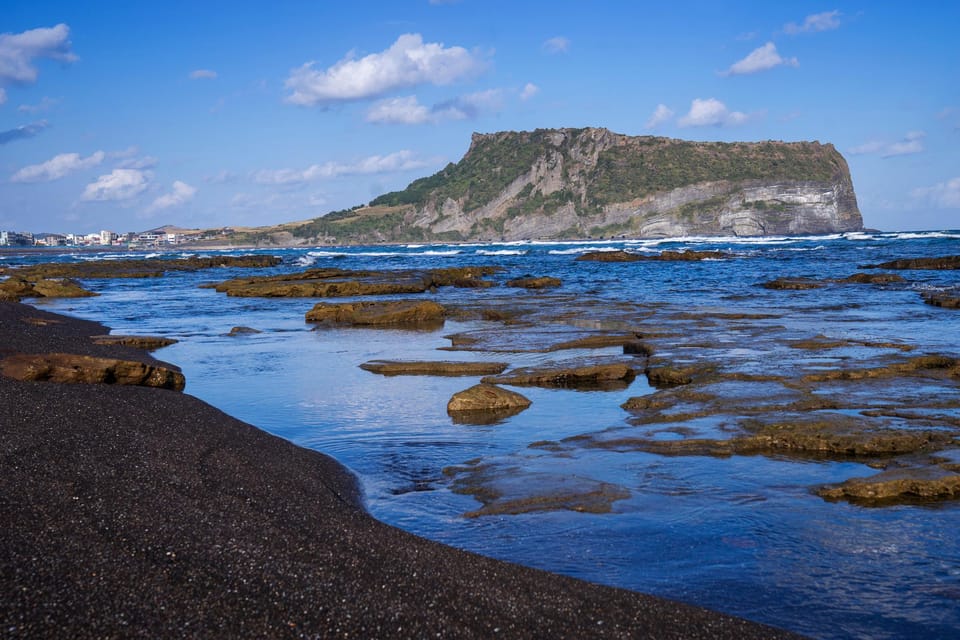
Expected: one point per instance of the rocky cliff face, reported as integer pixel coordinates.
(577, 183)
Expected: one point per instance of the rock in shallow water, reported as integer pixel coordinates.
(486, 397)
(433, 368)
(412, 313)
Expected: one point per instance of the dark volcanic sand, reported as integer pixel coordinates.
(130, 511)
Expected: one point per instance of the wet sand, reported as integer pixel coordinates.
(133, 511)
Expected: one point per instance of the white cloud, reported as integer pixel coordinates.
(826, 21)
(203, 74)
(943, 194)
(529, 90)
(120, 184)
(760, 59)
(407, 63)
(711, 112)
(557, 44)
(57, 167)
(181, 194)
(911, 143)
(408, 110)
(18, 50)
(398, 161)
(660, 115)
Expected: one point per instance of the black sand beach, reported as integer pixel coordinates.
(141, 512)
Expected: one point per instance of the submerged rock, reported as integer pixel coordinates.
(792, 284)
(534, 282)
(243, 331)
(72, 368)
(943, 299)
(508, 490)
(433, 368)
(414, 313)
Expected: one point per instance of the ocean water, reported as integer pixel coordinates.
(743, 534)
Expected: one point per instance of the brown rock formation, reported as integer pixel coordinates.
(941, 263)
(534, 282)
(486, 397)
(72, 368)
(435, 368)
(16, 288)
(586, 376)
(140, 342)
(897, 486)
(792, 284)
(608, 256)
(393, 312)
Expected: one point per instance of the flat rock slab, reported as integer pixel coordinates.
(433, 368)
(584, 376)
(80, 369)
(140, 342)
(411, 313)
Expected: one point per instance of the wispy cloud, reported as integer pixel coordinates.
(18, 51)
(407, 63)
(826, 21)
(57, 167)
(203, 74)
(120, 184)
(911, 143)
(408, 110)
(25, 131)
(945, 195)
(398, 161)
(557, 44)
(661, 115)
(529, 90)
(760, 59)
(711, 113)
(179, 195)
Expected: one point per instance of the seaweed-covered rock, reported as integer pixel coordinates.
(608, 256)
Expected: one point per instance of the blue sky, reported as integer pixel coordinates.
(131, 115)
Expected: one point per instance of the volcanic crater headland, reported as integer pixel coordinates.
(591, 182)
